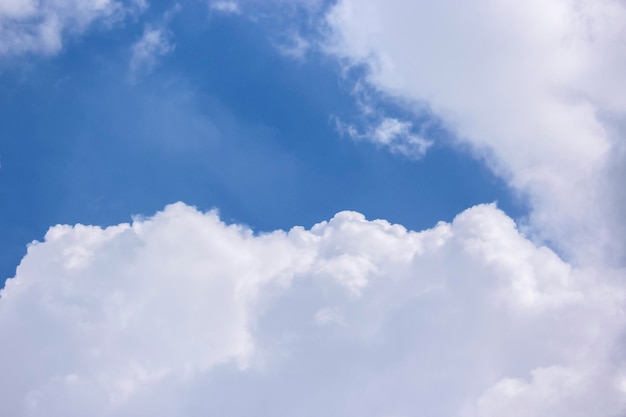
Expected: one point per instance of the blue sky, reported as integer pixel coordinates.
(224, 121)
(372, 208)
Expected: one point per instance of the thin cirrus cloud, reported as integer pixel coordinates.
(166, 315)
(154, 44)
(40, 27)
(225, 6)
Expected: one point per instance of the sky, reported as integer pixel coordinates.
(310, 207)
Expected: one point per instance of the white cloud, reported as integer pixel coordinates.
(535, 85)
(395, 134)
(180, 314)
(17, 8)
(225, 6)
(154, 44)
(293, 46)
(329, 315)
(28, 26)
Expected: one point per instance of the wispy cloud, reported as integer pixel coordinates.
(225, 6)
(28, 26)
(396, 135)
(154, 44)
(293, 45)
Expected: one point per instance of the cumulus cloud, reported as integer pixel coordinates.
(181, 314)
(534, 86)
(154, 44)
(29, 26)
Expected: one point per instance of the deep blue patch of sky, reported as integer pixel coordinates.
(224, 121)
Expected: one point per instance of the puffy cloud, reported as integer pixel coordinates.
(534, 86)
(181, 314)
(28, 26)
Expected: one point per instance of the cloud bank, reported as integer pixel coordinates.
(181, 314)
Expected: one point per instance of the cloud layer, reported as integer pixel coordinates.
(181, 314)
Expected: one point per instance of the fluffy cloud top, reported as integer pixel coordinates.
(535, 86)
(181, 314)
(29, 26)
